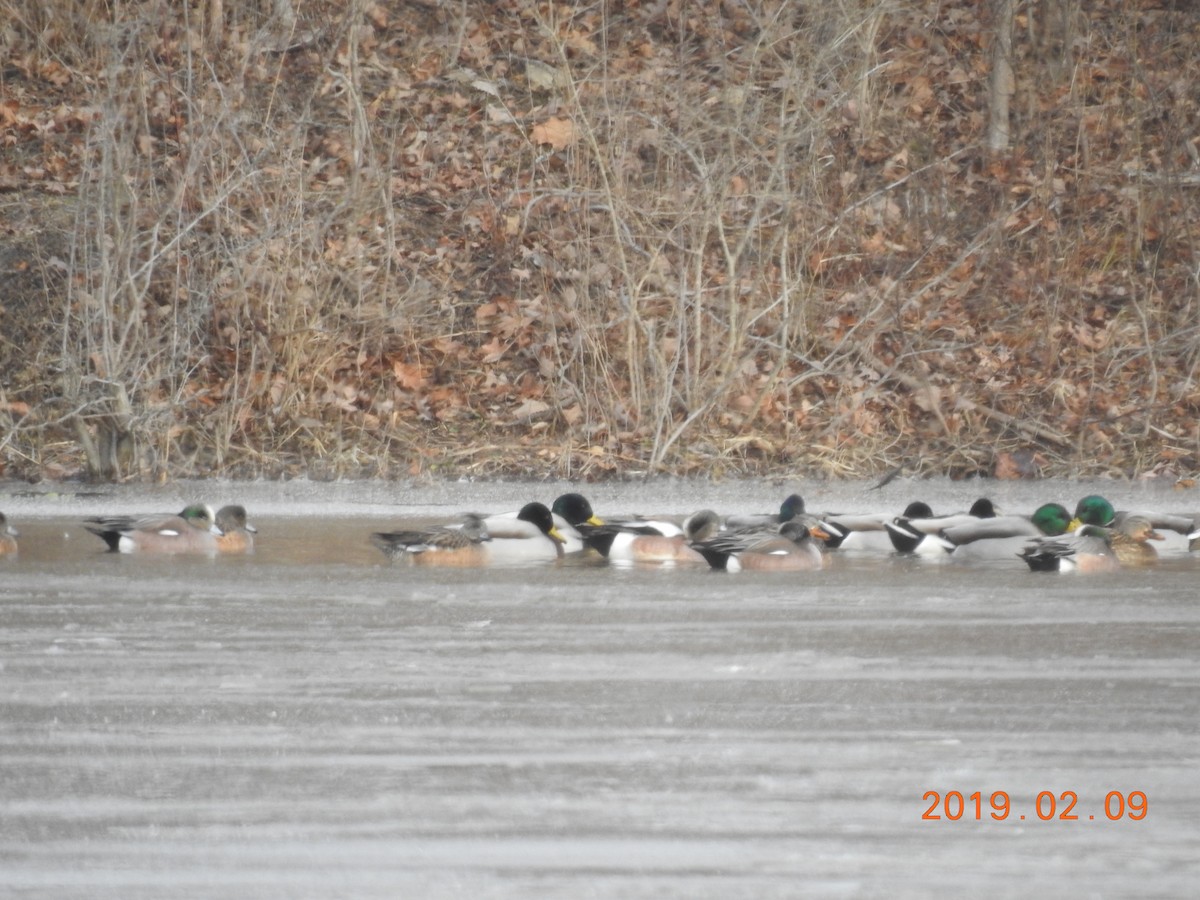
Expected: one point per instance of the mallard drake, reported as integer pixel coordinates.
(656, 542)
(1130, 537)
(194, 530)
(922, 535)
(793, 547)
(531, 537)
(8, 536)
(1002, 537)
(792, 506)
(1087, 549)
(237, 534)
(867, 532)
(1096, 510)
(1092, 510)
(570, 511)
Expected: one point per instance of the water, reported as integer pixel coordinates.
(316, 722)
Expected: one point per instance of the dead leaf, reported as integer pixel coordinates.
(487, 87)
(499, 115)
(409, 376)
(543, 77)
(530, 409)
(557, 132)
(1019, 464)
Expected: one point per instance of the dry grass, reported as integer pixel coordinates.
(328, 244)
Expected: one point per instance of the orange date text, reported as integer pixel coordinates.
(1047, 806)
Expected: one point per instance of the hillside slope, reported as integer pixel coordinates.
(385, 238)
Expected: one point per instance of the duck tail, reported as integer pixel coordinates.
(905, 537)
(716, 557)
(396, 544)
(110, 536)
(599, 537)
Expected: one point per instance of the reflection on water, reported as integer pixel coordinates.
(316, 722)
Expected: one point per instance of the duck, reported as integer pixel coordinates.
(921, 535)
(1001, 536)
(569, 511)
(652, 541)
(792, 506)
(237, 534)
(193, 530)
(1130, 538)
(8, 537)
(1087, 549)
(1048, 520)
(531, 536)
(850, 532)
(793, 548)
(1097, 510)
(1092, 510)
(445, 545)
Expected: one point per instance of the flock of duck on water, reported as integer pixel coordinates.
(1095, 537)
(1051, 539)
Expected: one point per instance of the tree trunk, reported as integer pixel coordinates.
(1002, 77)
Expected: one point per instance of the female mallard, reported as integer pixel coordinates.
(1131, 535)
(192, 531)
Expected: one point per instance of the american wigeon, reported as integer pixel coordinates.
(652, 542)
(531, 537)
(8, 537)
(237, 534)
(1087, 549)
(793, 547)
(192, 531)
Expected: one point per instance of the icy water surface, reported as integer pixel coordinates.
(316, 722)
